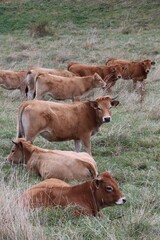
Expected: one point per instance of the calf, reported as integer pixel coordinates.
(12, 80)
(107, 73)
(64, 121)
(31, 74)
(90, 197)
(137, 71)
(64, 165)
(62, 88)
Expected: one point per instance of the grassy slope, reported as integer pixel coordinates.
(129, 146)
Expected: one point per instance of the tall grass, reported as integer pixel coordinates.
(128, 146)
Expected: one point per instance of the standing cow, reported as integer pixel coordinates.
(135, 70)
(107, 73)
(12, 80)
(64, 121)
(62, 88)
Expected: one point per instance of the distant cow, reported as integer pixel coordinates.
(137, 71)
(12, 80)
(32, 73)
(61, 88)
(107, 73)
(89, 197)
(64, 121)
(64, 165)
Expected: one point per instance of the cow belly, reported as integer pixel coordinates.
(53, 137)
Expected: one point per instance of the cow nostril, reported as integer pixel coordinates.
(124, 200)
(107, 119)
(147, 71)
(119, 76)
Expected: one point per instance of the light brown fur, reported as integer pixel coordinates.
(64, 165)
(12, 80)
(62, 88)
(64, 121)
(32, 73)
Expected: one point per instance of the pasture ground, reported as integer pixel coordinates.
(129, 146)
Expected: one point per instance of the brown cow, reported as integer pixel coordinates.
(62, 88)
(32, 73)
(12, 80)
(64, 165)
(111, 73)
(90, 197)
(64, 121)
(137, 71)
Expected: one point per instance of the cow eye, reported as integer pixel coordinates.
(109, 189)
(12, 151)
(99, 109)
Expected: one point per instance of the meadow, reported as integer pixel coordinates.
(50, 33)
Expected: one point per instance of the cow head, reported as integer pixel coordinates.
(147, 64)
(117, 70)
(98, 81)
(18, 152)
(107, 191)
(103, 106)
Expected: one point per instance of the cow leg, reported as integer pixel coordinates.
(77, 145)
(87, 143)
(134, 85)
(142, 90)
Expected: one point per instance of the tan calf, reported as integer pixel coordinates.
(64, 165)
(90, 197)
(62, 88)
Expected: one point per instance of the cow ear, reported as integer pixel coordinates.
(97, 181)
(94, 104)
(153, 63)
(114, 103)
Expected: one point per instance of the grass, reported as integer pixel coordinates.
(128, 146)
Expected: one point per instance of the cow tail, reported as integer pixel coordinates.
(35, 84)
(20, 128)
(92, 169)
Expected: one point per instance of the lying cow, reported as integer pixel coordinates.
(61, 88)
(12, 80)
(31, 74)
(107, 73)
(137, 71)
(90, 197)
(64, 121)
(64, 165)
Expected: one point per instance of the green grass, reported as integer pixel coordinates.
(128, 146)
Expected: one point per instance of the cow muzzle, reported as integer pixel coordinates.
(121, 201)
(107, 119)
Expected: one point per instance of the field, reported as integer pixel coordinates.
(50, 33)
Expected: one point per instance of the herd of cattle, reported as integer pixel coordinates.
(62, 121)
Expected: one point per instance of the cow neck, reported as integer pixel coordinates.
(27, 151)
(86, 193)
